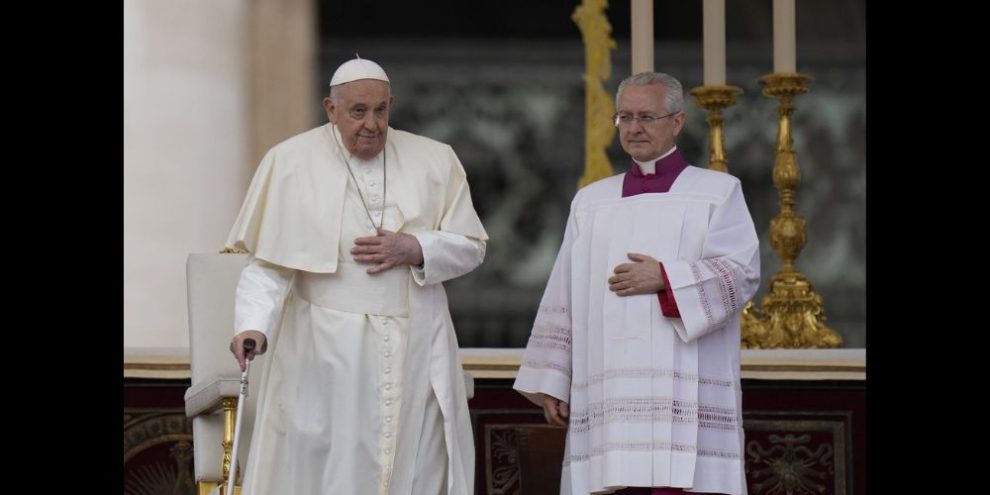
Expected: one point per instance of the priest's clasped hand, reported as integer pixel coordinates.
(641, 277)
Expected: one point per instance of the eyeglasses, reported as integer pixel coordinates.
(647, 119)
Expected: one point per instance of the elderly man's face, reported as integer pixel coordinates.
(360, 111)
(644, 141)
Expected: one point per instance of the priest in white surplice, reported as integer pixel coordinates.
(635, 346)
(352, 227)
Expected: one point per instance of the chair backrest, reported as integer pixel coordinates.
(211, 281)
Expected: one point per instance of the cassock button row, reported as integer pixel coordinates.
(388, 402)
(388, 370)
(388, 354)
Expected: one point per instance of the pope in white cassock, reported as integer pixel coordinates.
(352, 228)
(635, 347)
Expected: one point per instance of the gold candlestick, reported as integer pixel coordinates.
(792, 315)
(714, 99)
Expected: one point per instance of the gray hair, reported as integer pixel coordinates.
(673, 94)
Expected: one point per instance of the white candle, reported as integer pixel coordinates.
(714, 29)
(642, 36)
(784, 37)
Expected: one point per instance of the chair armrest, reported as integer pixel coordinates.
(468, 384)
(205, 396)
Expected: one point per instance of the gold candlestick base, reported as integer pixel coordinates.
(792, 315)
(714, 99)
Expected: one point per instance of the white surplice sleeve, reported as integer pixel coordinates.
(547, 360)
(711, 292)
(261, 291)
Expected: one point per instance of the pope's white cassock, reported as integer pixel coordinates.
(654, 400)
(364, 392)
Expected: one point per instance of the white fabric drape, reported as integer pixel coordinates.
(654, 401)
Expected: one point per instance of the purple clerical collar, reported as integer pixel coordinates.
(673, 163)
(667, 169)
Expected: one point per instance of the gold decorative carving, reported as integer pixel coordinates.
(503, 463)
(792, 315)
(205, 487)
(144, 431)
(599, 108)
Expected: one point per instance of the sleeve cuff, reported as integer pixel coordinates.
(668, 305)
(419, 272)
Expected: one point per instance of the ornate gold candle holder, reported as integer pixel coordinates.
(714, 99)
(792, 315)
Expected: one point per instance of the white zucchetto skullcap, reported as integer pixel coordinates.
(358, 68)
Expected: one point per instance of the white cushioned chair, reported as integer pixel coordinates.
(211, 400)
